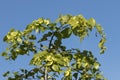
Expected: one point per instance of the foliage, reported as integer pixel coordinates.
(51, 58)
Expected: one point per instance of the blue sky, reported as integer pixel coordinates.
(18, 13)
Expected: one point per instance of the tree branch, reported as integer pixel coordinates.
(51, 40)
(46, 74)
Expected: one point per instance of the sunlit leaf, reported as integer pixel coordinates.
(96, 65)
(92, 22)
(49, 63)
(67, 72)
(55, 67)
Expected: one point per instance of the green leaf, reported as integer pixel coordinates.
(49, 63)
(59, 61)
(58, 35)
(63, 19)
(49, 57)
(99, 76)
(96, 65)
(46, 21)
(5, 38)
(31, 73)
(38, 58)
(6, 74)
(35, 70)
(92, 22)
(19, 39)
(15, 73)
(52, 26)
(101, 45)
(57, 43)
(42, 28)
(32, 37)
(56, 67)
(74, 22)
(45, 37)
(66, 33)
(79, 65)
(99, 28)
(4, 54)
(75, 75)
(67, 72)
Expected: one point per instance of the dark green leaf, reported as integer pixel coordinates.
(52, 26)
(4, 54)
(5, 38)
(35, 70)
(57, 44)
(6, 74)
(32, 37)
(58, 35)
(66, 33)
(75, 75)
(45, 37)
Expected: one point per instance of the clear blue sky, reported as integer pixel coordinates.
(18, 13)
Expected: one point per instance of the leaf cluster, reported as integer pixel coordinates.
(44, 39)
